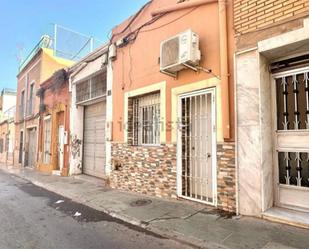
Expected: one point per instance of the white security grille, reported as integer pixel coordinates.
(92, 88)
(47, 141)
(196, 135)
(146, 119)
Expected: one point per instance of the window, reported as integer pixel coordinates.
(92, 88)
(293, 101)
(146, 119)
(98, 87)
(22, 103)
(30, 101)
(83, 91)
(47, 140)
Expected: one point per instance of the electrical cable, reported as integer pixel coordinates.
(131, 21)
(170, 22)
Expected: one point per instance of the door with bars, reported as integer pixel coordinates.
(292, 139)
(196, 147)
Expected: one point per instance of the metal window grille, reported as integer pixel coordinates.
(98, 86)
(293, 102)
(83, 91)
(294, 168)
(146, 119)
(47, 140)
(92, 88)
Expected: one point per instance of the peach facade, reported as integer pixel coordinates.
(154, 169)
(137, 64)
(55, 107)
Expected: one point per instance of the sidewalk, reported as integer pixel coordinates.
(189, 222)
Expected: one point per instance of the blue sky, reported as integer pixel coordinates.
(23, 22)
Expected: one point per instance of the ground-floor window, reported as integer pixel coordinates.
(146, 119)
(47, 141)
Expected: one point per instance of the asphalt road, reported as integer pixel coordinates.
(33, 218)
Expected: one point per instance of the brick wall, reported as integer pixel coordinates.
(148, 170)
(252, 15)
(152, 171)
(226, 185)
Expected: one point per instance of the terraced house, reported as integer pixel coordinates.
(54, 132)
(272, 92)
(7, 126)
(173, 104)
(38, 67)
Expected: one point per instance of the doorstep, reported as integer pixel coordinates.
(287, 216)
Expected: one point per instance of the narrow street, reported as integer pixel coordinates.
(33, 218)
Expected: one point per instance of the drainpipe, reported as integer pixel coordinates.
(25, 113)
(224, 68)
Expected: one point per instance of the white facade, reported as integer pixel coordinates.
(81, 73)
(8, 99)
(257, 146)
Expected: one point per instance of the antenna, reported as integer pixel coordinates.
(20, 53)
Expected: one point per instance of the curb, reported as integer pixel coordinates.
(180, 238)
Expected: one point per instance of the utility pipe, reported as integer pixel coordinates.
(181, 6)
(224, 72)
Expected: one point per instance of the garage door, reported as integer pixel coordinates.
(94, 140)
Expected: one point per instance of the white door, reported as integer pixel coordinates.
(196, 147)
(291, 135)
(94, 140)
(60, 146)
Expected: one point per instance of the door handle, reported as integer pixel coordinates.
(208, 155)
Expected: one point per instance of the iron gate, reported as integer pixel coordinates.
(196, 147)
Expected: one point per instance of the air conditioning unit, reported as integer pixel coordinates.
(180, 52)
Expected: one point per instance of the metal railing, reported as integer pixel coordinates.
(45, 42)
(8, 114)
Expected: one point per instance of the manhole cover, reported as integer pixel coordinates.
(140, 203)
(76, 182)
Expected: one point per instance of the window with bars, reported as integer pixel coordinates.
(293, 102)
(92, 88)
(294, 168)
(146, 119)
(292, 97)
(47, 141)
